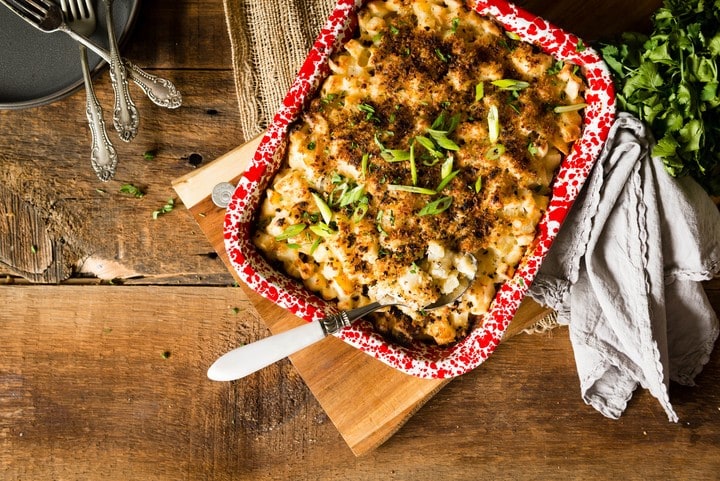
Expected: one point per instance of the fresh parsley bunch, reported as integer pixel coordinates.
(669, 79)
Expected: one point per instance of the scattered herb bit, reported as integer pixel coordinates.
(394, 30)
(512, 35)
(235, 310)
(580, 46)
(436, 206)
(100, 191)
(413, 167)
(441, 55)
(311, 145)
(165, 354)
(149, 155)
(369, 111)
(33, 249)
(168, 207)
(364, 164)
(455, 24)
(556, 67)
(133, 190)
(532, 148)
(446, 180)
(429, 146)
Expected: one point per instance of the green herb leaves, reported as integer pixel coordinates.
(670, 80)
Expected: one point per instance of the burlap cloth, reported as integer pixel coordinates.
(269, 41)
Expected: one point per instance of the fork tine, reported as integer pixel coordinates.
(25, 10)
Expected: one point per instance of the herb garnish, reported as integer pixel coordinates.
(670, 80)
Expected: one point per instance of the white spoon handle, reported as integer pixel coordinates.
(252, 357)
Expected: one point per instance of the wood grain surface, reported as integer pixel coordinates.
(103, 375)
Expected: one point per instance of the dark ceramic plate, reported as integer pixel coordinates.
(37, 68)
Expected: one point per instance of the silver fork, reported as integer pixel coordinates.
(80, 17)
(47, 17)
(125, 115)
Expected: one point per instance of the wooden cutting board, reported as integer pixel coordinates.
(365, 399)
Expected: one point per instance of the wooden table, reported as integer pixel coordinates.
(109, 320)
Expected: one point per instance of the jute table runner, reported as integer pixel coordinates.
(269, 40)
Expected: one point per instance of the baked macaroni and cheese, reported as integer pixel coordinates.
(436, 134)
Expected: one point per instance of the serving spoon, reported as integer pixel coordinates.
(252, 357)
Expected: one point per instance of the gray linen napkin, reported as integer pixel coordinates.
(625, 275)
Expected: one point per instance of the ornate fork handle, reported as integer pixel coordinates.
(103, 157)
(125, 116)
(335, 322)
(160, 91)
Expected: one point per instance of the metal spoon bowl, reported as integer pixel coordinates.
(247, 359)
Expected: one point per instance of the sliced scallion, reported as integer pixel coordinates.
(413, 167)
(569, 108)
(290, 232)
(446, 180)
(443, 141)
(510, 84)
(411, 188)
(478, 184)
(493, 118)
(429, 146)
(436, 206)
(479, 91)
(323, 230)
(495, 152)
(325, 211)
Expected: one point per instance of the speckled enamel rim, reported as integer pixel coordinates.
(420, 360)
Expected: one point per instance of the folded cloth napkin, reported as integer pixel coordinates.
(625, 273)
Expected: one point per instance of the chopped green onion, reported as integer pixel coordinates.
(351, 196)
(429, 146)
(290, 232)
(493, 124)
(411, 188)
(436, 206)
(441, 138)
(495, 152)
(325, 211)
(315, 245)
(323, 230)
(513, 35)
(395, 155)
(446, 180)
(455, 24)
(364, 164)
(441, 55)
(510, 84)
(478, 184)
(360, 211)
(413, 167)
(569, 108)
(446, 167)
(479, 91)
(311, 145)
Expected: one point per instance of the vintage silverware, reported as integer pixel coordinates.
(252, 357)
(125, 115)
(80, 17)
(47, 17)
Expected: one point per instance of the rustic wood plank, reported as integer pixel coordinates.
(111, 233)
(87, 394)
(595, 19)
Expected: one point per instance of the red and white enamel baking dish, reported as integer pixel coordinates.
(419, 360)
